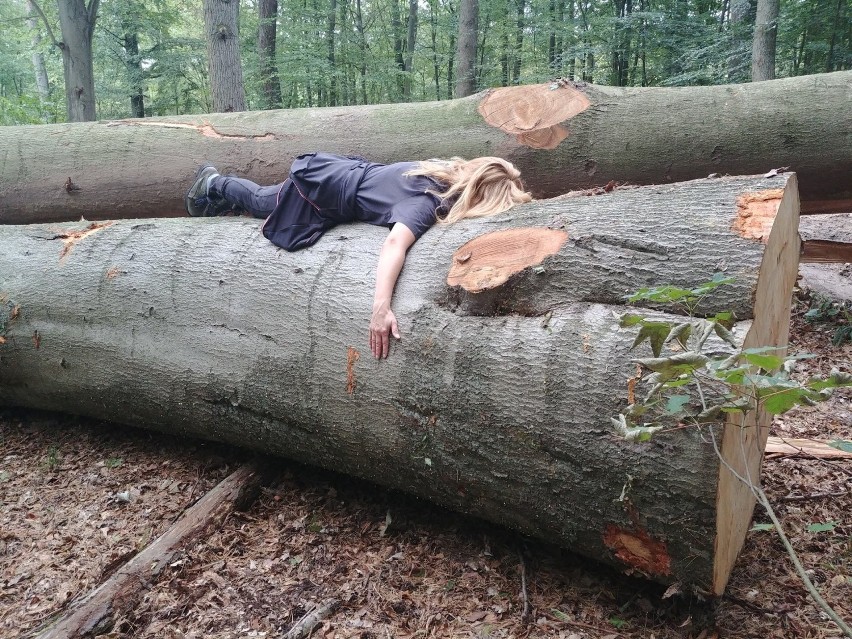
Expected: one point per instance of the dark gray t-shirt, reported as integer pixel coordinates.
(385, 196)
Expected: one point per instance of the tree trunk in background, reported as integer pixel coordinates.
(134, 72)
(765, 35)
(270, 86)
(77, 22)
(411, 40)
(561, 139)
(519, 42)
(466, 48)
(741, 25)
(329, 43)
(221, 29)
(42, 85)
(497, 401)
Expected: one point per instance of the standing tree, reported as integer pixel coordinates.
(466, 48)
(221, 30)
(77, 23)
(37, 56)
(270, 86)
(409, 49)
(765, 34)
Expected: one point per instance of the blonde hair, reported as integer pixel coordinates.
(480, 187)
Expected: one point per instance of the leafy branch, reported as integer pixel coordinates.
(696, 381)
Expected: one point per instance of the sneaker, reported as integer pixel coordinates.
(199, 202)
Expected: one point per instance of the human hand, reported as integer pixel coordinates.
(382, 324)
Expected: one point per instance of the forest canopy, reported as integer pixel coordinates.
(150, 57)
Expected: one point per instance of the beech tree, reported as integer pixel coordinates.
(466, 48)
(221, 30)
(268, 68)
(765, 33)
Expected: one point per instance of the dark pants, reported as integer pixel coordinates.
(260, 201)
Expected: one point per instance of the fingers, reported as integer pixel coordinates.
(395, 328)
(385, 344)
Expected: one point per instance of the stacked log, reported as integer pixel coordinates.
(497, 401)
(563, 136)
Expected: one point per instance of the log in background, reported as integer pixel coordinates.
(561, 138)
(495, 403)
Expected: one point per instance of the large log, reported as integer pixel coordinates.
(496, 402)
(561, 136)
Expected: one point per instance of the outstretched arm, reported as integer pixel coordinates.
(391, 259)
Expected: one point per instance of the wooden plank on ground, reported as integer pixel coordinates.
(95, 613)
(785, 446)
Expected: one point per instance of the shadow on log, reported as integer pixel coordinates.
(562, 136)
(497, 401)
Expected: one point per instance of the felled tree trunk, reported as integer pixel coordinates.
(498, 399)
(562, 136)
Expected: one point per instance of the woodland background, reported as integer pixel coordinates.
(163, 57)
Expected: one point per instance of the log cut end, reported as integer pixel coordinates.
(534, 114)
(756, 213)
(771, 217)
(490, 260)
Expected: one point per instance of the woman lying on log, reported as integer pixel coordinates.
(324, 190)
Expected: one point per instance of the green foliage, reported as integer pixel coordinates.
(838, 314)
(692, 383)
(828, 526)
(339, 52)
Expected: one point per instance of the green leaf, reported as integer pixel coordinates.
(835, 380)
(655, 333)
(681, 333)
(676, 403)
(733, 375)
(780, 401)
(759, 357)
(725, 334)
(826, 527)
(725, 318)
(677, 383)
(633, 433)
(669, 367)
(841, 444)
(617, 623)
(762, 527)
(630, 319)
(560, 615)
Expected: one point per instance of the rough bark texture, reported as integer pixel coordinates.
(269, 82)
(77, 22)
(466, 48)
(765, 35)
(37, 57)
(496, 402)
(221, 31)
(135, 168)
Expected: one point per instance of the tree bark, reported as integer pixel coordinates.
(765, 34)
(497, 401)
(133, 168)
(133, 64)
(269, 82)
(77, 22)
(221, 28)
(39, 68)
(466, 48)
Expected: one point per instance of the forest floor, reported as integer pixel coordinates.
(79, 497)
